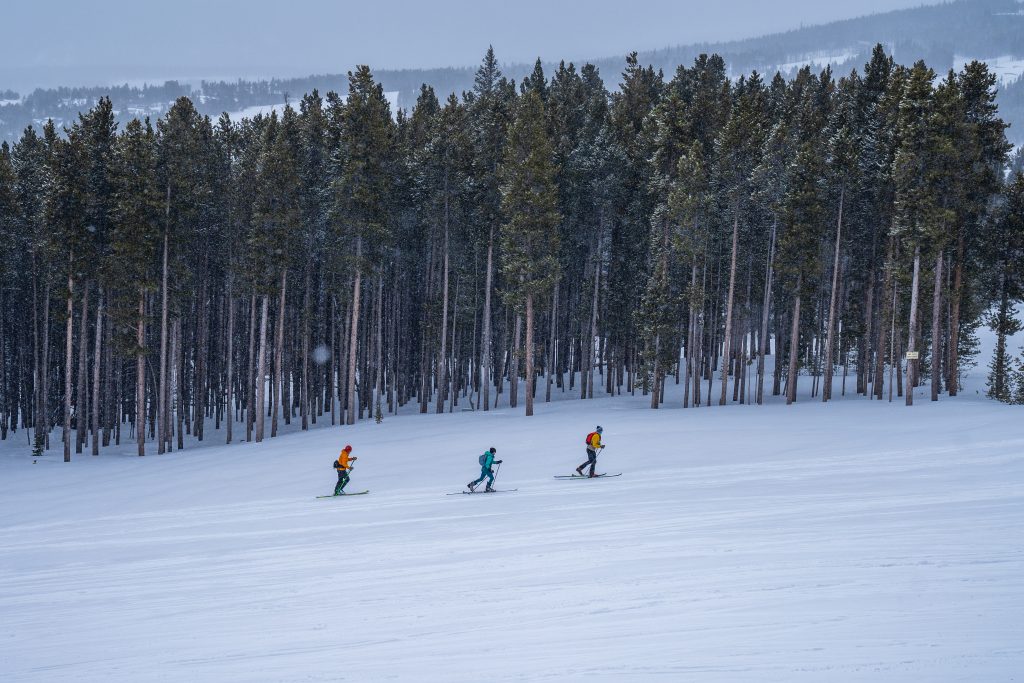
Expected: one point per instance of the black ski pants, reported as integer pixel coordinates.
(591, 460)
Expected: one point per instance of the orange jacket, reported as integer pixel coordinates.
(344, 461)
(595, 441)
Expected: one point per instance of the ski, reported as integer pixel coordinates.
(583, 476)
(469, 493)
(342, 495)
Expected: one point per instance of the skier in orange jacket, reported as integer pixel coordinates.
(343, 465)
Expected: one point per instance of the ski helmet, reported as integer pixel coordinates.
(599, 429)
(493, 450)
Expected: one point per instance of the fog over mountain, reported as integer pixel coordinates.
(71, 43)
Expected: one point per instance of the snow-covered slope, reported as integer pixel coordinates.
(852, 541)
(266, 109)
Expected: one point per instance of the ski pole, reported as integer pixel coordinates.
(497, 470)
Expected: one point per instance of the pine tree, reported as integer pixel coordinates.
(529, 233)
(135, 232)
(362, 164)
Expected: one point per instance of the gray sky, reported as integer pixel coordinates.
(78, 42)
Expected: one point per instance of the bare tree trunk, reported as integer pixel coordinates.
(529, 354)
(279, 350)
(937, 328)
(261, 370)
(140, 375)
(304, 391)
(335, 343)
(163, 429)
(727, 340)
(68, 360)
(552, 342)
(174, 398)
(794, 343)
(589, 387)
(230, 378)
(888, 315)
(81, 401)
(442, 353)
(379, 368)
(953, 378)
(826, 390)
(912, 334)
(353, 332)
(513, 369)
(766, 307)
(485, 345)
(892, 345)
(97, 356)
(250, 388)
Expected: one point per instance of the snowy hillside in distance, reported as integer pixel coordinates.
(266, 109)
(854, 541)
(1007, 68)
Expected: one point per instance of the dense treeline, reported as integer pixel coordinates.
(941, 34)
(341, 260)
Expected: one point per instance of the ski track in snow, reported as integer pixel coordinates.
(852, 541)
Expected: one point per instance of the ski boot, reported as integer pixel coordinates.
(488, 489)
(472, 487)
(579, 471)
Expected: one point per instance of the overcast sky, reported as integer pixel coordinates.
(79, 42)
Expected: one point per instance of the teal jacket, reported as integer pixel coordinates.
(486, 460)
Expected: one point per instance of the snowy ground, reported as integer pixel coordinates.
(852, 541)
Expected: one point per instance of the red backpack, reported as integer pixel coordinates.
(590, 437)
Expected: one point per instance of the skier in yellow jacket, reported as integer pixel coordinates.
(343, 465)
(593, 446)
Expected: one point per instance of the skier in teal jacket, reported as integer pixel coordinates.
(487, 461)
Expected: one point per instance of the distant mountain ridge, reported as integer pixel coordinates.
(945, 36)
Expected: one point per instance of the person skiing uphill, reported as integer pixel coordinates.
(486, 462)
(343, 465)
(593, 446)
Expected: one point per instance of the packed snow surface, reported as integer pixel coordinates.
(858, 540)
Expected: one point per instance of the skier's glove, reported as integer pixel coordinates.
(498, 461)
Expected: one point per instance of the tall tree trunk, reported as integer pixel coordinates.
(378, 365)
(353, 334)
(163, 429)
(442, 353)
(230, 353)
(794, 344)
(937, 328)
(68, 360)
(261, 369)
(140, 375)
(175, 398)
(912, 333)
(552, 343)
(513, 369)
(279, 349)
(727, 340)
(250, 380)
(826, 390)
(887, 320)
(765, 309)
(82, 393)
(485, 344)
(304, 391)
(953, 379)
(96, 365)
(529, 354)
(589, 386)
